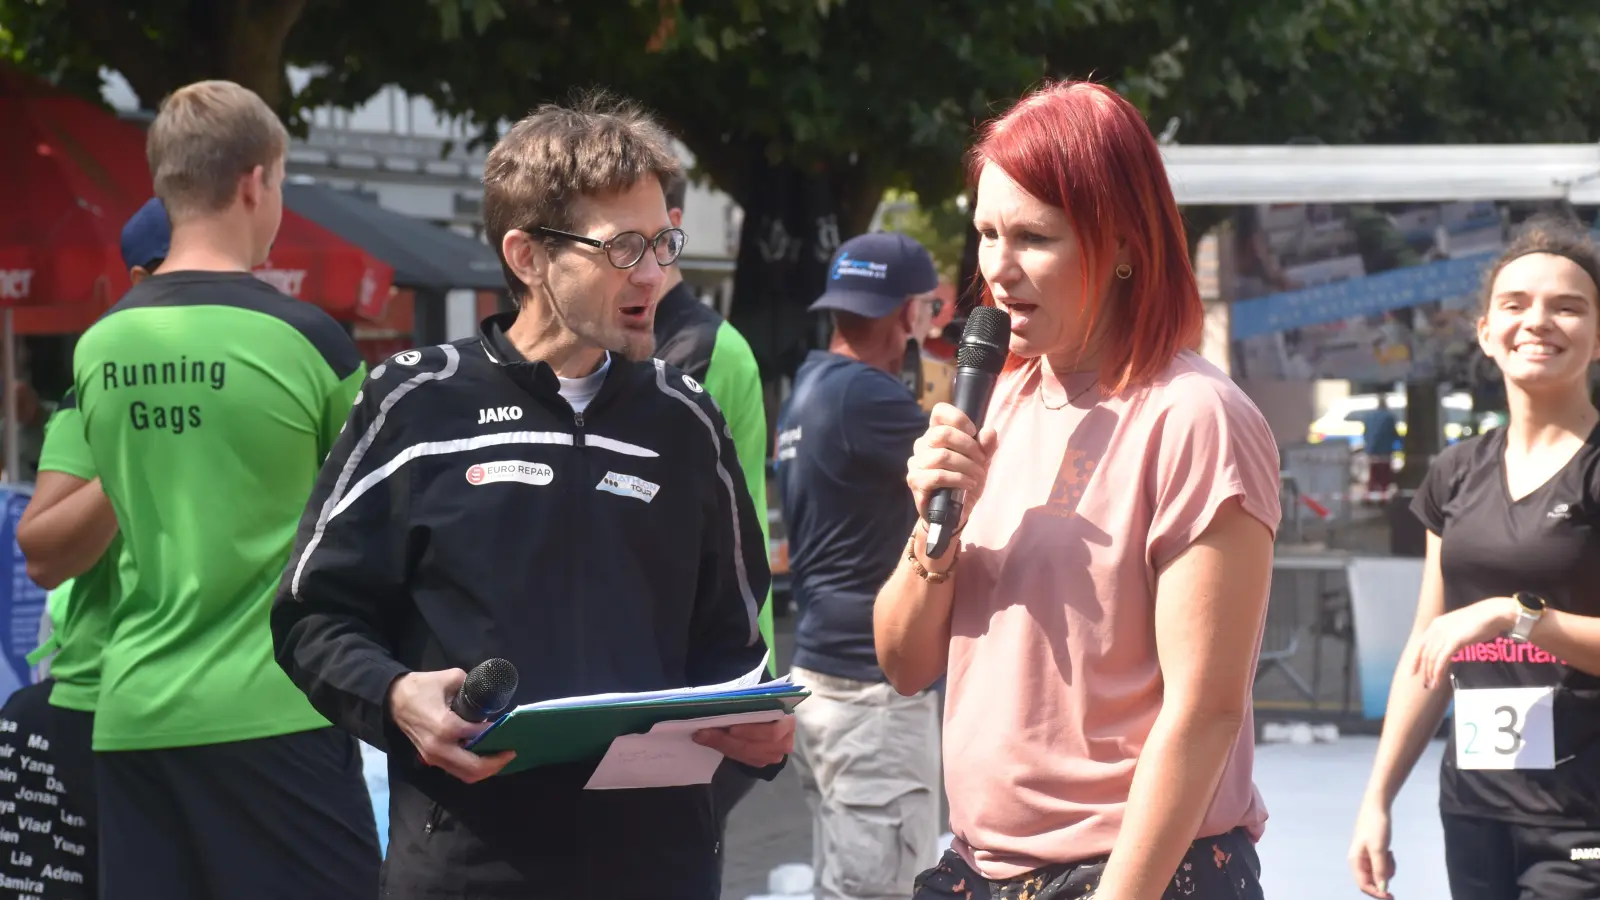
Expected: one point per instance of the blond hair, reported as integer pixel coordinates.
(600, 145)
(206, 136)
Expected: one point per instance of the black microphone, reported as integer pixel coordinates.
(487, 691)
(979, 358)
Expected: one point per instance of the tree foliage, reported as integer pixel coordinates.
(859, 96)
(1377, 71)
(37, 36)
(161, 45)
(157, 45)
(870, 94)
(876, 94)
(940, 227)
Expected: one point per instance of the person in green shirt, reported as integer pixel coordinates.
(209, 401)
(69, 537)
(692, 336)
(68, 504)
(67, 510)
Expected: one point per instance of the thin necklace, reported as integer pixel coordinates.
(1070, 400)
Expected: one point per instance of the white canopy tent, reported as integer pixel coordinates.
(1245, 175)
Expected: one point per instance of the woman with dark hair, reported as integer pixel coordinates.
(1099, 613)
(1508, 620)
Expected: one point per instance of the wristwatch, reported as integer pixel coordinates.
(1530, 608)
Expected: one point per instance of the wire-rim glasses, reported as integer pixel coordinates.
(626, 249)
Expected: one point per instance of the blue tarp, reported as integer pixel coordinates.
(21, 601)
(1394, 289)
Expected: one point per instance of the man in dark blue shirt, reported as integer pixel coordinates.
(868, 758)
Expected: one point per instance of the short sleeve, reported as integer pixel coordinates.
(336, 407)
(1438, 487)
(885, 421)
(1212, 445)
(65, 448)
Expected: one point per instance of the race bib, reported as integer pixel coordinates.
(1505, 728)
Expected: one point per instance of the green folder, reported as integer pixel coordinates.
(583, 733)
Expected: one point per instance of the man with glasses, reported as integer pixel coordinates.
(546, 493)
(868, 758)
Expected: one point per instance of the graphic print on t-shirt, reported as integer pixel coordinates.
(1086, 448)
(1493, 546)
(44, 830)
(1077, 467)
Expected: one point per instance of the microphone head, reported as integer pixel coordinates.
(490, 686)
(985, 340)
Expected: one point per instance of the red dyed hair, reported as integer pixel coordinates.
(1082, 148)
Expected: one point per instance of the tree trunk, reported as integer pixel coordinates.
(1197, 221)
(236, 40)
(794, 220)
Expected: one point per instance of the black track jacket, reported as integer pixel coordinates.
(465, 513)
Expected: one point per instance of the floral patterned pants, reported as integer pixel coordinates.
(1224, 867)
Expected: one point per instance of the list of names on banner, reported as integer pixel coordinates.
(40, 834)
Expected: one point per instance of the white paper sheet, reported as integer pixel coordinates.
(666, 755)
(748, 680)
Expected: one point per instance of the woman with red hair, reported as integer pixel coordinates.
(1099, 614)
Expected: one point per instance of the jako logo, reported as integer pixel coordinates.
(15, 284)
(1560, 511)
(1585, 854)
(499, 414)
(510, 470)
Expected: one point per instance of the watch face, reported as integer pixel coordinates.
(1530, 601)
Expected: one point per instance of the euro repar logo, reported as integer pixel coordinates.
(163, 393)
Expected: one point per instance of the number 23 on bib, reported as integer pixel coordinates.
(1505, 728)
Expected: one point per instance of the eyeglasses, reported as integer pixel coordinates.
(626, 249)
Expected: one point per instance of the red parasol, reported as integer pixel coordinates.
(302, 267)
(73, 179)
(79, 172)
(73, 175)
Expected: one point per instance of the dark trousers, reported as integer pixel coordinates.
(1218, 868)
(47, 791)
(1488, 859)
(267, 819)
(729, 785)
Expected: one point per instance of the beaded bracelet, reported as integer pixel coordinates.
(917, 567)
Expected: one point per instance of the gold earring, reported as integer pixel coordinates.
(1124, 271)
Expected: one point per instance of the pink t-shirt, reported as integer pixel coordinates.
(1053, 681)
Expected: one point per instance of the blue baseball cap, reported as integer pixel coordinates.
(147, 236)
(872, 274)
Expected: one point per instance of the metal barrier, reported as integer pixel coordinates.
(1310, 603)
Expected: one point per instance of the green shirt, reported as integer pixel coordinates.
(209, 402)
(80, 608)
(734, 380)
(696, 339)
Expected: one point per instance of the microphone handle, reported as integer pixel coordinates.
(972, 390)
(464, 708)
